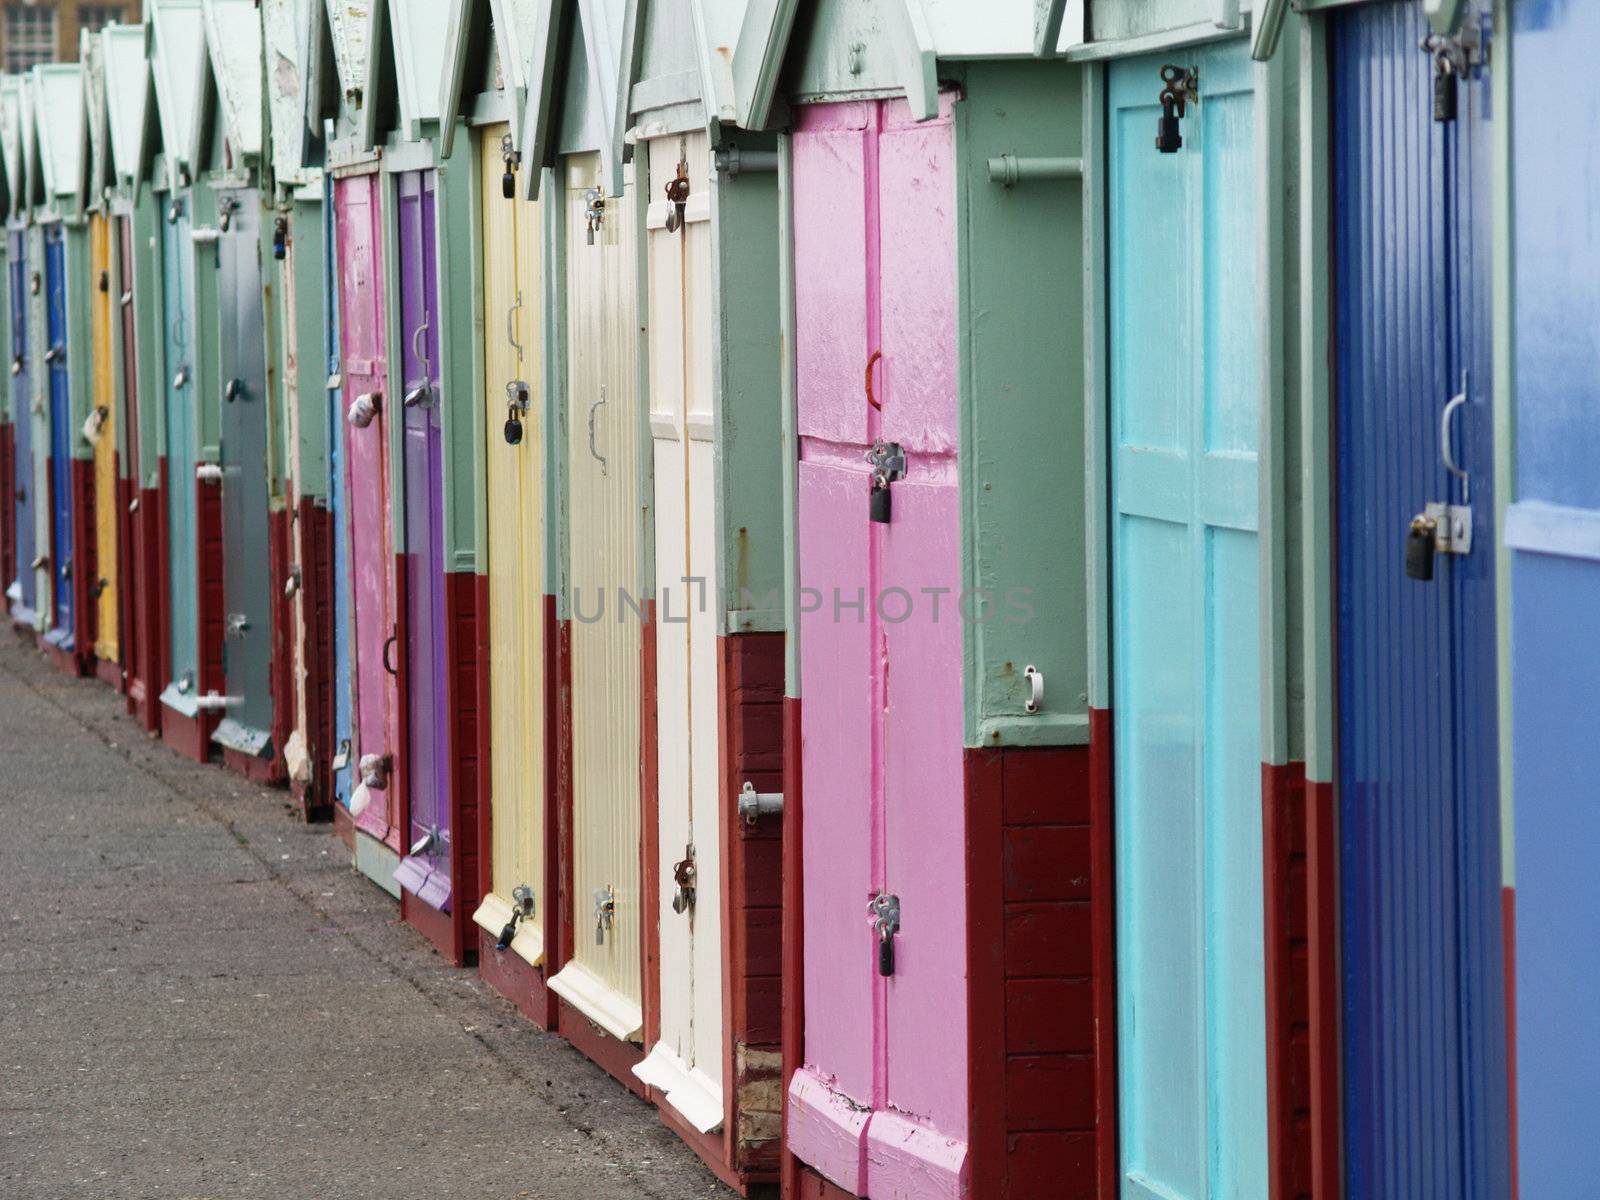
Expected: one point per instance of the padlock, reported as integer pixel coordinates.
(1420, 548)
(280, 238)
(508, 185)
(677, 196)
(881, 504)
(507, 932)
(1169, 131)
(885, 953)
(513, 429)
(1446, 93)
(512, 157)
(683, 874)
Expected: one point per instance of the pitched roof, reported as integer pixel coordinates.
(58, 107)
(232, 54)
(16, 185)
(98, 172)
(127, 73)
(603, 32)
(514, 27)
(283, 24)
(700, 51)
(408, 45)
(177, 43)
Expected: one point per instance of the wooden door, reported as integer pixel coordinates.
(376, 801)
(1424, 1023)
(1186, 635)
(687, 1063)
(62, 437)
(106, 585)
(603, 980)
(880, 1105)
(513, 274)
(25, 601)
(137, 601)
(182, 548)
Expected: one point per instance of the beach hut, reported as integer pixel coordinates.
(16, 437)
(484, 87)
(427, 214)
(193, 698)
(103, 427)
(296, 258)
(58, 108)
(1552, 535)
(373, 819)
(716, 449)
(226, 155)
(947, 999)
(136, 270)
(599, 486)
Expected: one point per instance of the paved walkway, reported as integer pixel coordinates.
(200, 999)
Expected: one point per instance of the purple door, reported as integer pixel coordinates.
(425, 871)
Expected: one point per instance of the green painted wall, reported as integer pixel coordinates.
(459, 233)
(309, 259)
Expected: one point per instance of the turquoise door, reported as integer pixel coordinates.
(182, 529)
(1185, 635)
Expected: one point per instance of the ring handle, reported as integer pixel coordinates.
(872, 362)
(1447, 449)
(387, 665)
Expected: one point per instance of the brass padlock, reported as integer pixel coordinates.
(677, 196)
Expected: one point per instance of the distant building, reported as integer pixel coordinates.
(40, 31)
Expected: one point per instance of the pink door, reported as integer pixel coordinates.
(880, 1105)
(374, 802)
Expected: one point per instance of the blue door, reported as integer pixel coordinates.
(1424, 1024)
(22, 425)
(61, 439)
(1186, 634)
(1553, 532)
(342, 678)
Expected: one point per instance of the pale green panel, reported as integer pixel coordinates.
(273, 318)
(148, 307)
(750, 418)
(1020, 347)
(80, 345)
(1097, 493)
(208, 349)
(786, 392)
(846, 47)
(1111, 20)
(668, 50)
(459, 235)
(310, 256)
(1505, 427)
(583, 125)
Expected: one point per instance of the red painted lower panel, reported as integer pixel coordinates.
(86, 568)
(511, 975)
(1322, 947)
(316, 656)
(267, 772)
(1288, 1007)
(808, 1185)
(344, 827)
(614, 1057)
(149, 618)
(1103, 946)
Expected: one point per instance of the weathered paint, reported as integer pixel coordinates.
(62, 437)
(874, 231)
(364, 367)
(1185, 633)
(686, 1063)
(22, 591)
(247, 652)
(513, 359)
(1424, 1023)
(426, 870)
(103, 415)
(603, 979)
(1554, 535)
(342, 752)
(135, 582)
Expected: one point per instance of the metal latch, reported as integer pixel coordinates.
(605, 912)
(594, 213)
(513, 159)
(1452, 528)
(428, 844)
(885, 910)
(1035, 680)
(753, 804)
(238, 624)
(375, 769)
(888, 462)
(683, 874)
(521, 910)
(216, 702)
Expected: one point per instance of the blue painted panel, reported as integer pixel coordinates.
(1185, 415)
(61, 434)
(182, 449)
(1555, 596)
(1424, 1026)
(22, 422)
(342, 666)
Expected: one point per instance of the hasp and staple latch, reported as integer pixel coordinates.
(1442, 527)
(594, 213)
(684, 875)
(885, 911)
(1180, 86)
(1453, 58)
(888, 463)
(521, 910)
(518, 396)
(677, 191)
(513, 159)
(605, 912)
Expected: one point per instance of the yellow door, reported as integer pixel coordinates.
(604, 597)
(513, 277)
(103, 424)
(686, 1064)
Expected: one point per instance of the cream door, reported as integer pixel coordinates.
(513, 274)
(686, 1064)
(603, 979)
(296, 754)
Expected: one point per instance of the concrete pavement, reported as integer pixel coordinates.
(200, 999)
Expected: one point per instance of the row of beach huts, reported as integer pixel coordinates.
(983, 601)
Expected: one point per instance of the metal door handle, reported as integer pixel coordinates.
(594, 408)
(511, 330)
(389, 641)
(1446, 446)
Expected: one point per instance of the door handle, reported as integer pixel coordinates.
(511, 330)
(594, 408)
(1447, 450)
(389, 641)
